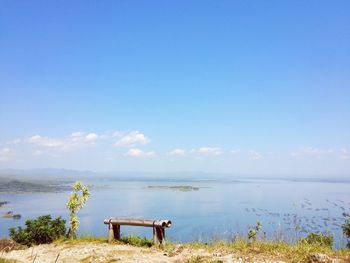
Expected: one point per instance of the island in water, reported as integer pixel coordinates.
(26, 186)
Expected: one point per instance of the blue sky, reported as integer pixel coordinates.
(242, 87)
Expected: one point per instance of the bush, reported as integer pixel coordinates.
(324, 240)
(346, 230)
(137, 241)
(42, 230)
(253, 232)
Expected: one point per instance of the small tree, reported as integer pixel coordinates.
(76, 202)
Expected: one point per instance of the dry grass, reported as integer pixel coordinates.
(2, 260)
(129, 240)
(200, 259)
(8, 245)
(82, 239)
(90, 259)
(266, 249)
(196, 252)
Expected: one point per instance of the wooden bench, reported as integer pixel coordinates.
(157, 225)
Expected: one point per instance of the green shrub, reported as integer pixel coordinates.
(42, 230)
(346, 229)
(253, 232)
(324, 240)
(137, 241)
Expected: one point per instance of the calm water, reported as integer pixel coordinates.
(218, 210)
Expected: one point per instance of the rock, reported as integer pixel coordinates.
(8, 214)
(3, 203)
(16, 216)
(319, 258)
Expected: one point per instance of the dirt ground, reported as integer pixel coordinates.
(90, 252)
(8, 245)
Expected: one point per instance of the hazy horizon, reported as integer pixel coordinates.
(176, 175)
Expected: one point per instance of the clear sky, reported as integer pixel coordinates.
(243, 87)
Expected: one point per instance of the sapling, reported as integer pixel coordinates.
(76, 202)
(253, 232)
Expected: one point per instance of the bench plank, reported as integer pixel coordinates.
(138, 222)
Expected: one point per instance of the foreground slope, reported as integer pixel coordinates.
(92, 251)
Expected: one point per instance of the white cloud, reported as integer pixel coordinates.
(254, 155)
(47, 142)
(235, 151)
(5, 154)
(131, 139)
(77, 134)
(74, 141)
(344, 154)
(15, 141)
(83, 137)
(38, 152)
(78, 140)
(216, 151)
(312, 151)
(135, 152)
(110, 134)
(91, 137)
(177, 152)
(5, 150)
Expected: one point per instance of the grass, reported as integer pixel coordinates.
(3, 260)
(130, 240)
(239, 248)
(199, 259)
(263, 249)
(82, 239)
(267, 249)
(96, 259)
(137, 241)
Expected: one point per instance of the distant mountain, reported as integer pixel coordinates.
(53, 173)
(69, 174)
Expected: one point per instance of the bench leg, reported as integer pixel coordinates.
(158, 235)
(113, 232)
(116, 230)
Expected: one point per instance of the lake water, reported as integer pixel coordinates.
(219, 209)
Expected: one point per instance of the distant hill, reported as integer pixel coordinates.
(16, 186)
(51, 172)
(55, 174)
